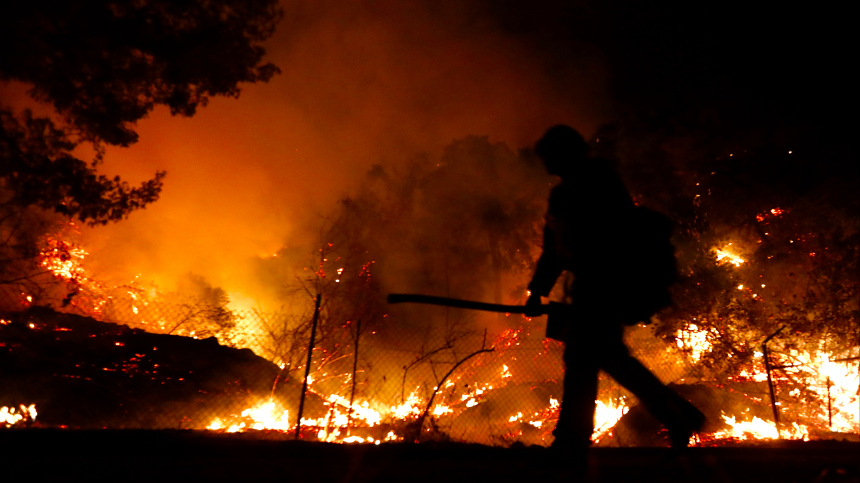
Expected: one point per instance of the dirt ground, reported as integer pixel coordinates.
(154, 456)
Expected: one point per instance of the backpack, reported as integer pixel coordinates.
(651, 266)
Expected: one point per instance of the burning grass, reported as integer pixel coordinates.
(23, 415)
(173, 381)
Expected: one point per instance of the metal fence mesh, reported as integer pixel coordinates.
(156, 365)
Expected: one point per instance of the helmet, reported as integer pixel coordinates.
(560, 147)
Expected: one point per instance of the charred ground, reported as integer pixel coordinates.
(86, 374)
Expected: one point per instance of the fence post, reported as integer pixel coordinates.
(354, 367)
(770, 381)
(308, 366)
(829, 407)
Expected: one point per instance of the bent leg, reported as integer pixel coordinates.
(677, 414)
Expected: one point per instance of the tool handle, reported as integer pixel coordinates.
(398, 298)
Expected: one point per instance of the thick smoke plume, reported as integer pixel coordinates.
(362, 84)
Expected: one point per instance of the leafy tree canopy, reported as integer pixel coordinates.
(103, 66)
(40, 170)
(106, 64)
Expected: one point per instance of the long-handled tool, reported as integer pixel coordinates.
(556, 326)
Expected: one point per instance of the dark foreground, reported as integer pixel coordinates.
(156, 456)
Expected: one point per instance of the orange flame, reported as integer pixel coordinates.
(10, 416)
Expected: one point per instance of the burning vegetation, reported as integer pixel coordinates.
(21, 415)
(764, 356)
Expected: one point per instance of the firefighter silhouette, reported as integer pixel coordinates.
(589, 229)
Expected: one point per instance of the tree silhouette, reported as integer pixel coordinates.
(103, 66)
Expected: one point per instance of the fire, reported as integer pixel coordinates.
(772, 212)
(267, 415)
(473, 398)
(64, 260)
(263, 415)
(693, 340)
(441, 410)
(360, 411)
(10, 416)
(751, 375)
(828, 387)
(606, 415)
(726, 255)
(757, 428)
(341, 417)
(836, 386)
(411, 407)
(831, 384)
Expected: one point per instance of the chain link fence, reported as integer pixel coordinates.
(128, 362)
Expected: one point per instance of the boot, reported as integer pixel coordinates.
(689, 420)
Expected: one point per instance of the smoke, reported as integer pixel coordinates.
(362, 84)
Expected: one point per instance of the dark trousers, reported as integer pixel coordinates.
(589, 349)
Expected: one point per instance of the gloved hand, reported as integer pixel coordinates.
(533, 306)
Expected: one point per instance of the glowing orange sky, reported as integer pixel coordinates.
(358, 87)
